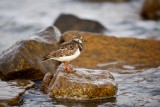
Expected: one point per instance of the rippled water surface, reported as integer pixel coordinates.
(19, 19)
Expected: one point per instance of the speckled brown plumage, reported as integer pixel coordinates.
(67, 51)
(66, 48)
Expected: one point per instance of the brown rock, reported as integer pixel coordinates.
(66, 22)
(3, 104)
(11, 91)
(151, 10)
(46, 81)
(99, 49)
(24, 59)
(82, 84)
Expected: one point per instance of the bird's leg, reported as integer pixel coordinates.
(68, 68)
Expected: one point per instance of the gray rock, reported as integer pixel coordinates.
(24, 58)
(66, 22)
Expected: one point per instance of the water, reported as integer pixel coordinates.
(135, 90)
(19, 19)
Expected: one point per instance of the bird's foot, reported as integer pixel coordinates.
(69, 69)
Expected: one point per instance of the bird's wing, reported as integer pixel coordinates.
(68, 45)
(64, 50)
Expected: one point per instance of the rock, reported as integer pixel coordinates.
(46, 81)
(66, 22)
(81, 84)
(24, 58)
(99, 49)
(3, 105)
(11, 91)
(151, 10)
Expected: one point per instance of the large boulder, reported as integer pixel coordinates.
(102, 49)
(24, 58)
(66, 22)
(151, 10)
(11, 91)
(81, 84)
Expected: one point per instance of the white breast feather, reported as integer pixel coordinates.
(68, 58)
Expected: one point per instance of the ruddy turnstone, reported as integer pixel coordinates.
(67, 51)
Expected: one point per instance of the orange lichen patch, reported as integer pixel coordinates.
(99, 48)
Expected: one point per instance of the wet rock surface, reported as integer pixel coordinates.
(139, 89)
(12, 91)
(47, 81)
(151, 10)
(67, 22)
(81, 84)
(99, 48)
(24, 59)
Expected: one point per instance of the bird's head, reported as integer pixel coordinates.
(77, 38)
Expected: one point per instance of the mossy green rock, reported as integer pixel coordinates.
(81, 84)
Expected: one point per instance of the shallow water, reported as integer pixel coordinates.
(19, 19)
(11, 91)
(136, 89)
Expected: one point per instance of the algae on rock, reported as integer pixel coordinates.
(81, 84)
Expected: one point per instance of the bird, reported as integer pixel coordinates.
(67, 51)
